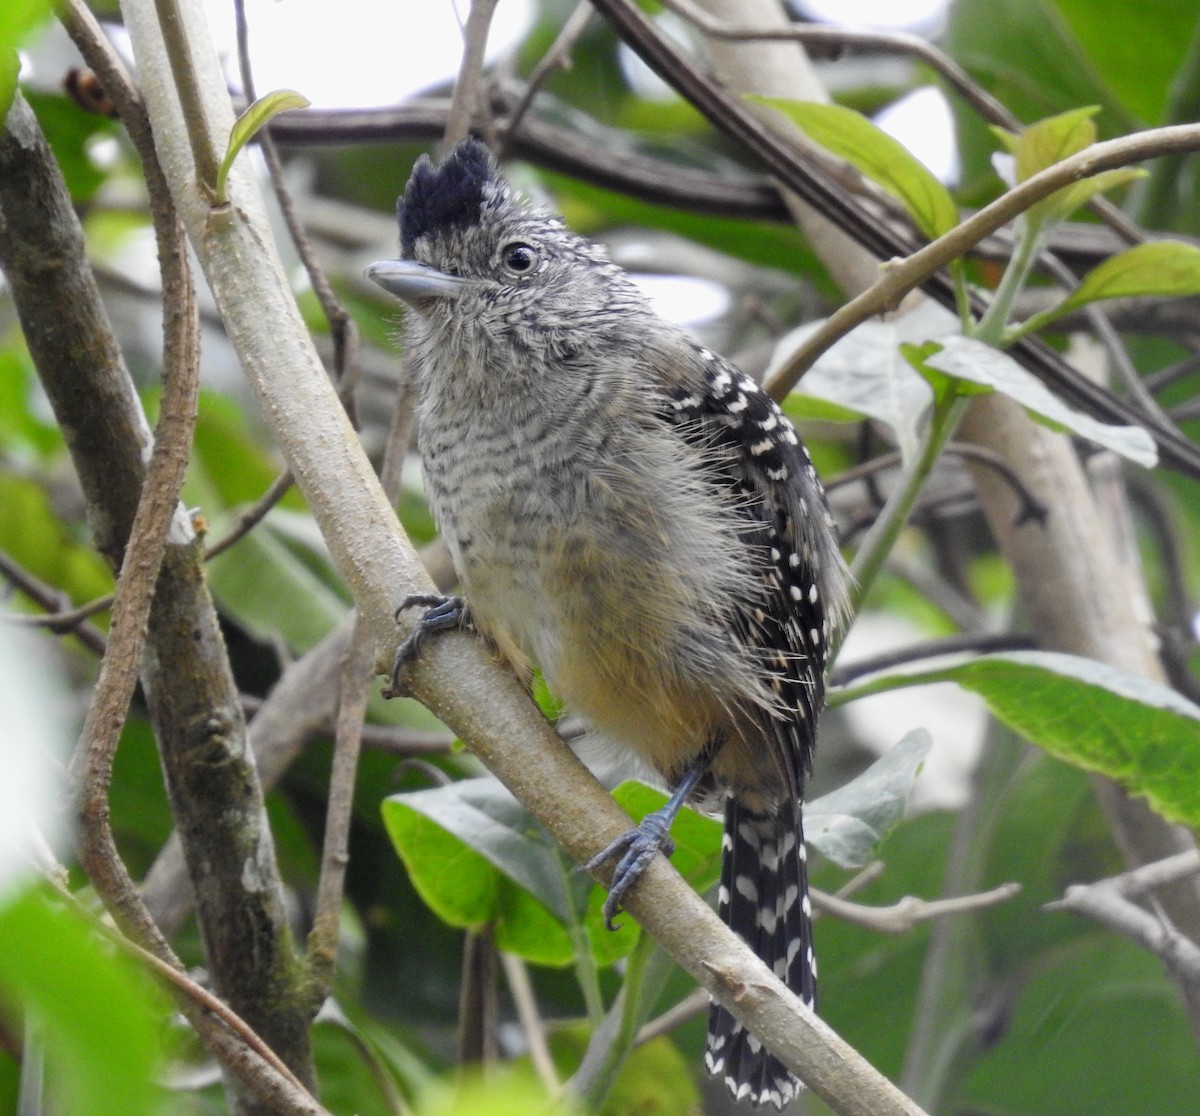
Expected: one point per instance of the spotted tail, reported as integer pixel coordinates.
(764, 898)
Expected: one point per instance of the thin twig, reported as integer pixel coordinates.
(517, 976)
(139, 571)
(353, 693)
(909, 912)
(966, 643)
(1031, 509)
(183, 71)
(1108, 902)
(62, 621)
(894, 42)
(48, 597)
(1147, 877)
(470, 72)
(557, 57)
(1109, 338)
(860, 880)
(250, 517)
(342, 327)
(693, 1004)
(1154, 504)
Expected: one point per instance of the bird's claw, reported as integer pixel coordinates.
(635, 848)
(442, 613)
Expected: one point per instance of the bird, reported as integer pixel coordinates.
(630, 512)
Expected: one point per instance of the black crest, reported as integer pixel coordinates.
(447, 196)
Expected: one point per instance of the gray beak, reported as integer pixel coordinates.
(415, 282)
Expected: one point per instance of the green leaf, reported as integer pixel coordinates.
(17, 19)
(1140, 733)
(1093, 1029)
(273, 590)
(10, 67)
(1078, 194)
(945, 385)
(884, 160)
(655, 1078)
(505, 1090)
(475, 856)
(32, 534)
(246, 127)
(1162, 267)
(1050, 141)
(847, 824)
(1136, 49)
(90, 1007)
(981, 364)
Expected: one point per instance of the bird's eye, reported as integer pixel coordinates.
(519, 257)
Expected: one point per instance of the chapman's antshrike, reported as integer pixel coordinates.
(632, 513)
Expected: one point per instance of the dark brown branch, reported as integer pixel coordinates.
(251, 517)
(59, 622)
(189, 687)
(971, 642)
(589, 153)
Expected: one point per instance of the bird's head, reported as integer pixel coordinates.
(474, 256)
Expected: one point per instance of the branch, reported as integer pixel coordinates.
(891, 42)
(516, 974)
(969, 642)
(909, 912)
(192, 697)
(50, 598)
(470, 72)
(1108, 902)
(557, 57)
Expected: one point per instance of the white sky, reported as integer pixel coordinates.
(358, 53)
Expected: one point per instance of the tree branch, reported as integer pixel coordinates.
(1108, 902)
(910, 912)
